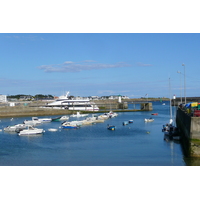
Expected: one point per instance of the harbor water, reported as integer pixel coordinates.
(136, 144)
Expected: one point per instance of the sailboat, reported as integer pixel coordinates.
(170, 129)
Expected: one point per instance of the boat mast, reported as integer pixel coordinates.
(170, 103)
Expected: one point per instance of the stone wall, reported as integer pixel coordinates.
(189, 128)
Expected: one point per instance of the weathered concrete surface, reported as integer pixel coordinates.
(20, 111)
(189, 128)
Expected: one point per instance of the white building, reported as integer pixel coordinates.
(3, 98)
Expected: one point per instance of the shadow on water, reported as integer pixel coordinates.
(192, 161)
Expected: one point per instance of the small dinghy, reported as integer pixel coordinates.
(52, 129)
(111, 127)
(149, 120)
(125, 123)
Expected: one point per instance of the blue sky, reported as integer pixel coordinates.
(132, 64)
(99, 64)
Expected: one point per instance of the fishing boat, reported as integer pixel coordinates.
(149, 120)
(111, 127)
(63, 102)
(30, 130)
(130, 121)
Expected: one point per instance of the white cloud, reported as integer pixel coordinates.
(70, 66)
(68, 62)
(143, 65)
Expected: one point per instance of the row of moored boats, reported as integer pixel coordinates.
(28, 127)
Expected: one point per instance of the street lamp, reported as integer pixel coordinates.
(180, 85)
(184, 83)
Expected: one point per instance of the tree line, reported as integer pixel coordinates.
(30, 97)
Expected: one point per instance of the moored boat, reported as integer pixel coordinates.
(52, 129)
(169, 129)
(69, 125)
(32, 122)
(125, 123)
(62, 118)
(149, 120)
(111, 127)
(15, 128)
(78, 115)
(30, 130)
(43, 120)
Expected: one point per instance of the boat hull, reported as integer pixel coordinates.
(69, 127)
(30, 132)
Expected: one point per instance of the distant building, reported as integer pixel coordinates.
(3, 98)
(25, 98)
(125, 97)
(93, 98)
(117, 97)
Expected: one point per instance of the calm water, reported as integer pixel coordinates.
(137, 144)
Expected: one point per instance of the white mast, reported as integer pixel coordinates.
(171, 120)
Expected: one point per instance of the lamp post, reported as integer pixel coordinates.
(184, 83)
(180, 86)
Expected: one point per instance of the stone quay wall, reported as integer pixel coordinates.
(189, 128)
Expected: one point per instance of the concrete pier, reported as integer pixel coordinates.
(189, 128)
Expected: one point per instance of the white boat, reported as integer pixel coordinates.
(63, 102)
(108, 115)
(103, 116)
(52, 129)
(78, 115)
(32, 122)
(69, 125)
(64, 118)
(30, 130)
(149, 120)
(112, 114)
(43, 120)
(15, 128)
(76, 123)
